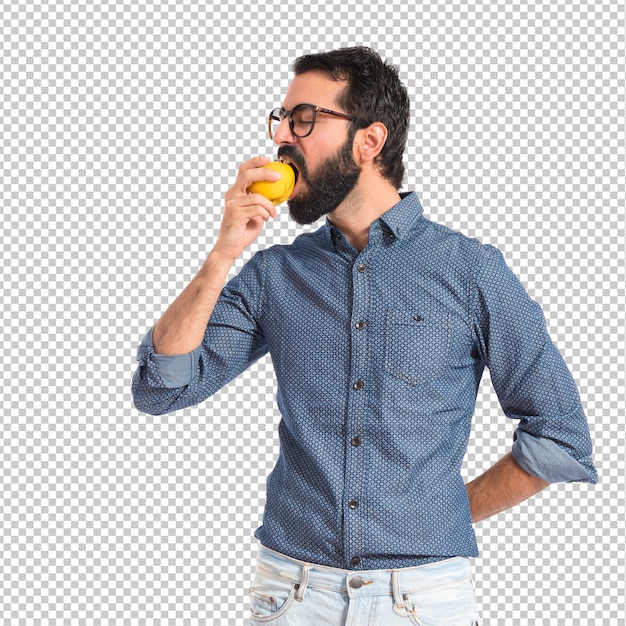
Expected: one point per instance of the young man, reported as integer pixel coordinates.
(379, 325)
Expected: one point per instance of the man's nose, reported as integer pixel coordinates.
(283, 133)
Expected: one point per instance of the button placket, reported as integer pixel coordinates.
(356, 416)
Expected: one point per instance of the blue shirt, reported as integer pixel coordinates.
(378, 357)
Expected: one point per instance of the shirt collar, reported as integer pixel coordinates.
(394, 223)
(401, 217)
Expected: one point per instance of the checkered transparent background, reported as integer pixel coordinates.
(122, 125)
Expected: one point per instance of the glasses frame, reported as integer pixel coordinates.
(279, 114)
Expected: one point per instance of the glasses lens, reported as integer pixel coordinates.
(302, 119)
(275, 118)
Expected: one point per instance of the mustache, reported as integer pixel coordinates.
(292, 153)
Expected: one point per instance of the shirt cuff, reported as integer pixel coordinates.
(174, 370)
(544, 459)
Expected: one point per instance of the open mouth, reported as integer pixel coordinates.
(287, 161)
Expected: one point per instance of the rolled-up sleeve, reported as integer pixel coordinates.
(533, 383)
(233, 340)
(170, 370)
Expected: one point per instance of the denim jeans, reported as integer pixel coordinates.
(288, 592)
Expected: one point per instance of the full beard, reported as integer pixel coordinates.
(326, 188)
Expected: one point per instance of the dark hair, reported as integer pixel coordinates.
(373, 93)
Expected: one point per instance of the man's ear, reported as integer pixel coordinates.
(368, 142)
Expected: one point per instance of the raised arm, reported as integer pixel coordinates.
(181, 328)
(209, 334)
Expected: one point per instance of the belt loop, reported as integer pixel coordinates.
(303, 583)
(395, 585)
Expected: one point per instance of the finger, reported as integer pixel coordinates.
(251, 205)
(238, 194)
(252, 201)
(258, 161)
(250, 175)
(268, 205)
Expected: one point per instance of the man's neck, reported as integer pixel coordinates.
(365, 204)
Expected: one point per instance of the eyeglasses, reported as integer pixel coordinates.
(301, 119)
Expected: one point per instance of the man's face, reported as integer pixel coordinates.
(327, 172)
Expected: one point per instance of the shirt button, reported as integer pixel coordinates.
(360, 325)
(353, 504)
(357, 441)
(358, 385)
(361, 267)
(354, 561)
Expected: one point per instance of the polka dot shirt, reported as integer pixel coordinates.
(378, 357)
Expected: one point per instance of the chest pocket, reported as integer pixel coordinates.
(417, 345)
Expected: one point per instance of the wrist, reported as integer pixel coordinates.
(217, 263)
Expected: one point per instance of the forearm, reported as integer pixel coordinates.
(181, 328)
(502, 486)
